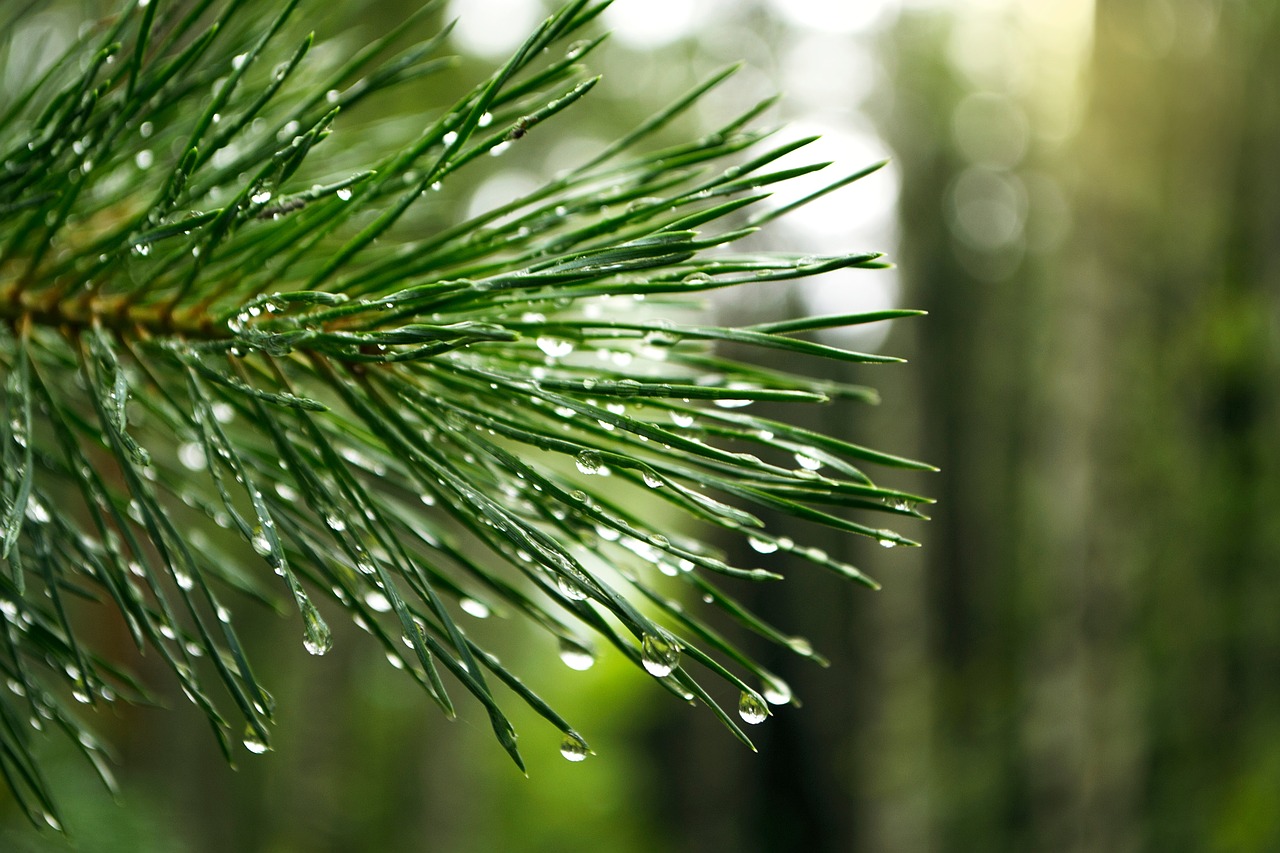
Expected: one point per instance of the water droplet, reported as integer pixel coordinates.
(555, 347)
(659, 656)
(260, 542)
(191, 455)
(752, 709)
(651, 480)
(254, 742)
(576, 656)
(332, 96)
(317, 639)
(144, 158)
(697, 278)
(763, 546)
(184, 580)
(808, 463)
(575, 50)
(36, 511)
(801, 646)
(52, 821)
(377, 601)
(335, 523)
(450, 137)
(887, 538)
(574, 748)
(589, 462)
(344, 194)
(500, 149)
(485, 120)
(478, 609)
(569, 589)
(142, 249)
(682, 419)
(238, 60)
(776, 692)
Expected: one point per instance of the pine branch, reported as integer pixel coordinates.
(226, 336)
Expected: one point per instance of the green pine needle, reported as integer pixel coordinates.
(226, 335)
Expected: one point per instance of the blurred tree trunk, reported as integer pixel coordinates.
(1102, 567)
(1185, 235)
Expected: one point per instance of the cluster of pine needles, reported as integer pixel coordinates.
(231, 370)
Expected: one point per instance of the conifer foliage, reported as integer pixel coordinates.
(231, 369)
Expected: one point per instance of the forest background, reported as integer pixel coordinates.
(1086, 654)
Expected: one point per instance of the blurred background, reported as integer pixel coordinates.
(1085, 656)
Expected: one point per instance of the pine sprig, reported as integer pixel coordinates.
(217, 318)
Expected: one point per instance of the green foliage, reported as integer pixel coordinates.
(224, 338)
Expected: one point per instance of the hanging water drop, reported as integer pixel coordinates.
(554, 347)
(807, 462)
(801, 646)
(260, 542)
(659, 656)
(36, 512)
(335, 523)
(253, 741)
(377, 601)
(776, 692)
(887, 538)
(762, 546)
(589, 462)
(569, 589)
(576, 656)
(478, 609)
(751, 708)
(317, 638)
(191, 455)
(574, 748)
